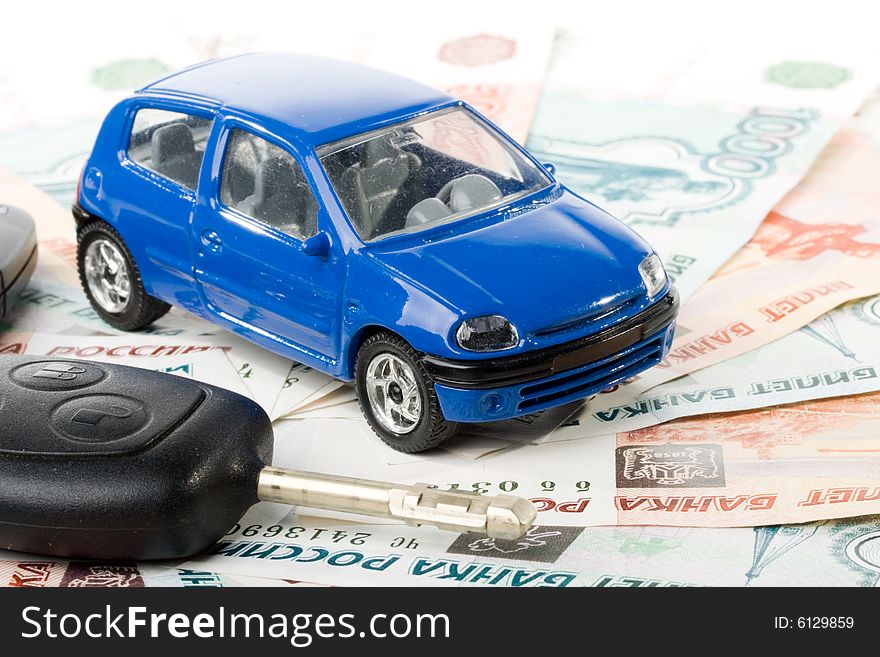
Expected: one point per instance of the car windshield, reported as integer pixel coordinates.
(437, 168)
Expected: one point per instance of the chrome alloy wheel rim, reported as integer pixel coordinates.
(107, 275)
(393, 393)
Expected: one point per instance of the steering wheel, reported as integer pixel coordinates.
(469, 191)
(445, 192)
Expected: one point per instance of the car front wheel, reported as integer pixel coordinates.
(396, 396)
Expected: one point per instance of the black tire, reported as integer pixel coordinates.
(432, 428)
(141, 309)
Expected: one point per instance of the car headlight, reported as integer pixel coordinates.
(653, 275)
(487, 333)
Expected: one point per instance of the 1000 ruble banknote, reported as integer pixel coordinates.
(786, 464)
(693, 146)
(819, 248)
(825, 553)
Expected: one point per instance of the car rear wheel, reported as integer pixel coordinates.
(396, 396)
(111, 279)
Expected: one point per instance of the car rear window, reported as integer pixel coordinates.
(170, 143)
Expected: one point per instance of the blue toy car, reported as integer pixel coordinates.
(373, 228)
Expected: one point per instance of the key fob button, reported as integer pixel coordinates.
(53, 375)
(65, 407)
(99, 418)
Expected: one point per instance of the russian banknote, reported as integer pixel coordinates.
(200, 362)
(231, 364)
(473, 441)
(337, 395)
(303, 386)
(29, 571)
(692, 163)
(836, 354)
(818, 248)
(268, 552)
(794, 463)
(826, 553)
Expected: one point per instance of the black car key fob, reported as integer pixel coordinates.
(110, 462)
(18, 254)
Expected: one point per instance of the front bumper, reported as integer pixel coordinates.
(511, 386)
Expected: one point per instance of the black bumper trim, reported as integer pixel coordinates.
(534, 365)
(79, 214)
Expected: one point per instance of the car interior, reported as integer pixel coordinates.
(387, 184)
(281, 199)
(259, 179)
(263, 181)
(386, 189)
(174, 155)
(172, 146)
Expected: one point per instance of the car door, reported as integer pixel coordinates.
(248, 233)
(161, 164)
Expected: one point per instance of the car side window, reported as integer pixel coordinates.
(264, 182)
(170, 143)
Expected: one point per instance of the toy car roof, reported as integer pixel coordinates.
(320, 99)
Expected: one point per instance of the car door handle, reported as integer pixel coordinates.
(211, 240)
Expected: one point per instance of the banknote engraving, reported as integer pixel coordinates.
(807, 75)
(612, 581)
(657, 180)
(784, 238)
(862, 550)
(89, 575)
(543, 544)
(868, 311)
(30, 574)
(670, 466)
(477, 50)
(774, 542)
(651, 179)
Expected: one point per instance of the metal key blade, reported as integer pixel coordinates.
(499, 516)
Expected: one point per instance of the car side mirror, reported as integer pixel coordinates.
(551, 168)
(317, 245)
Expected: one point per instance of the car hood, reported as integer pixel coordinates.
(559, 263)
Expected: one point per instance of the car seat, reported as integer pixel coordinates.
(373, 184)
(174, 154)
(472, 191)
(282, 199)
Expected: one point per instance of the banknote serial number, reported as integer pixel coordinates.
(814, 623)
(508, 486)
(300, 533)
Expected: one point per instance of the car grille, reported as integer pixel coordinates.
(593, 377)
